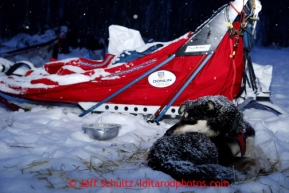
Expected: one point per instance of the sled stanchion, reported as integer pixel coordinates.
(184, 87)
(127, 86)
(177, 89)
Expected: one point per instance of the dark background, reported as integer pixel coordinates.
(161, 20)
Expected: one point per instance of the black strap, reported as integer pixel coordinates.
(243, 87)
(3, 68)
(14, 67)
(252, 75)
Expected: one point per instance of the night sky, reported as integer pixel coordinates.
(161, 20)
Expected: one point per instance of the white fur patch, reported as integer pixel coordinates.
(200, 127)
(210, 106)
(249, 146)
(235, 149)
(186, 114)
(182, 109)
(264, 162)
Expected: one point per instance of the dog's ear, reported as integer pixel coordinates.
(210, 106)
(221, 109)
(182, 109)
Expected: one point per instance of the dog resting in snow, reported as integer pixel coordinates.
(211, 142)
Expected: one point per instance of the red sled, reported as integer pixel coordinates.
(155, 80)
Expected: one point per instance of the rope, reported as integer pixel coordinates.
(254, 4)
(239, 13)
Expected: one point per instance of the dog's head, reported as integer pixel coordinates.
(211, 115)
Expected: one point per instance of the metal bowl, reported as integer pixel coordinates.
(101, 131)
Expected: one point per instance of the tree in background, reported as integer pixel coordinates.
(161, 20)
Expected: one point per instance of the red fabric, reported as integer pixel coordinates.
(242, 143)
(54, 67)
(220, 76)
(45, 81)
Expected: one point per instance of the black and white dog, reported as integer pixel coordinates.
(210, 142)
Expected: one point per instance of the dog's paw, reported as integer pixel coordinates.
(249, 167)
(261, 157)
(265, 165)
(239, 176)
(252, 169)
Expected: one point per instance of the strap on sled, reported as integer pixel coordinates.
(16, 66)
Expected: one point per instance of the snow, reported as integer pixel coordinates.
(45, 149)
(38, 73)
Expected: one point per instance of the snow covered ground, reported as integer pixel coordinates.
(45, 150)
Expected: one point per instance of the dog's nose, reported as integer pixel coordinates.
(168, 132)
(171, 130)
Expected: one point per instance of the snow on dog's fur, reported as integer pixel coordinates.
(210, 139)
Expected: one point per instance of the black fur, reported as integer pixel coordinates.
(222, 116)
(187, 155)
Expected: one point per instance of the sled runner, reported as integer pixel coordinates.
(153, 78)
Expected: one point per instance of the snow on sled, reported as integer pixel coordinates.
(153, 78)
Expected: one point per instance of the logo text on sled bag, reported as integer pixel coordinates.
(198, 48)
(162, 78)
